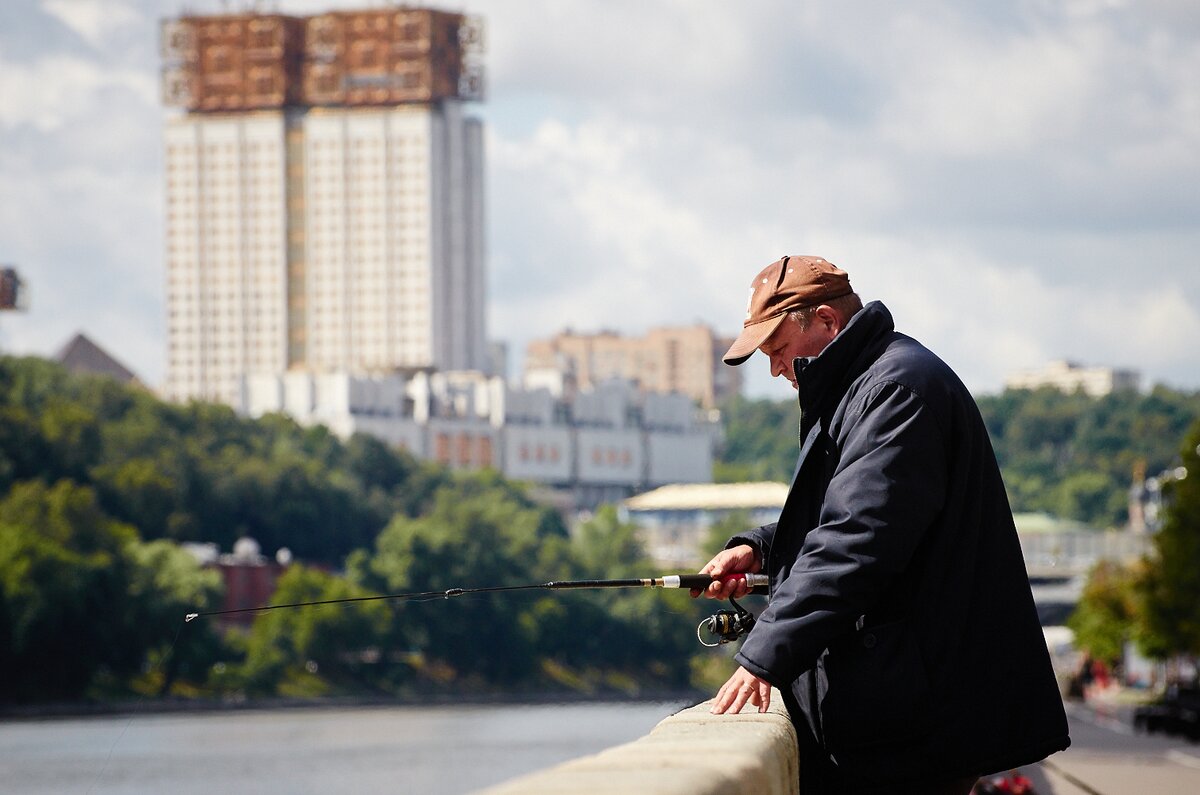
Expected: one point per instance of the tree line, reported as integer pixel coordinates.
(1069, 455)
(1154, 602)
(100, 483)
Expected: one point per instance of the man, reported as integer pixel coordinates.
(900, 628)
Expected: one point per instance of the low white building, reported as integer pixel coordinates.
(1069, 377)
(674, 519)
(601, 444)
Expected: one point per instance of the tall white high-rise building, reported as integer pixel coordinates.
(324, 197)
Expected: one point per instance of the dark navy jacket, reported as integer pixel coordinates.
(900, 616)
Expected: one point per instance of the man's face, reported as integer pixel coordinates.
(788, 342)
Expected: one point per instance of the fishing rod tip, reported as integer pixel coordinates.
(190, 616)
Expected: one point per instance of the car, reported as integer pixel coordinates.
(1176, 712)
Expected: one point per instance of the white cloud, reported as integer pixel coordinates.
(976, 94)
(59, 90)
(989, 170)
(94, 20)
(1155, 329)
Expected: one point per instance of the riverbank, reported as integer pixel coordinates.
(155, 706)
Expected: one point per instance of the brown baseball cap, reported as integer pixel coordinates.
(785, 285)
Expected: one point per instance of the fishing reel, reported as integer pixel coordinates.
(726, 625)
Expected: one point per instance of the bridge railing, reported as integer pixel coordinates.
(690, 753)
(1075, 552)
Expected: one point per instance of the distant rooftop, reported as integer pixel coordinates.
(710, 496)
(82, 356)
(1067, 376)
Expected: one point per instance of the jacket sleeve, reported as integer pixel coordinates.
(888, 486)
(758, 537)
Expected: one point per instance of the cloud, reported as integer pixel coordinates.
(96, 21)
(60, 90)
(1016, 180)
(987, 162)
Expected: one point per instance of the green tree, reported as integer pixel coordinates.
(167, 583)
(198, 472)
(30, 382)
(319, 649)
(646, 634)
(65, 610)
(73, 435)
(1089, 494)
(1171, 586)
(1074, 455)
(724, 529)
(607, 548)
(141, 490)
(23, 449)
(1107, 612)
(480, 532)
(761, 440)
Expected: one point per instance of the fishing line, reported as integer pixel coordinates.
(134, 712)
(721, 626)
(689, 581)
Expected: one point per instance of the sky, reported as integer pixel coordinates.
(1018, 182)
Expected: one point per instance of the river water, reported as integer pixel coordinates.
(426, 750)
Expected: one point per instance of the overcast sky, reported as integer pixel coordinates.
(1019, 182)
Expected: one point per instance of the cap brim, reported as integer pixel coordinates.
(750, 339)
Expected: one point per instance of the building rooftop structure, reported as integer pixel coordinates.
(12, 289)
(372, 57)
(249, 576)
(1069, 377)
(675, 519)
(600, 444)
(684, 359)
(710, 497)
(82, 356)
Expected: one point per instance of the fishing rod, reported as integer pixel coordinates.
(725, 625)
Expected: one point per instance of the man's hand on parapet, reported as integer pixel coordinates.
(743, 558)
(742, 688)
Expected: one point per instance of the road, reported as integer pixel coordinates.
(1107, 757)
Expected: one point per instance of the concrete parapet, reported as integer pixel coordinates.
(689, 753)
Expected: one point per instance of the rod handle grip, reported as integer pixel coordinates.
(701, 581)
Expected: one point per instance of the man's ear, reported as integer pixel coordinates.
(829, 320)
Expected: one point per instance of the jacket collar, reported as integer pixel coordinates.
(826, 377)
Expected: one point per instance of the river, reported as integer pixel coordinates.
(426, 750)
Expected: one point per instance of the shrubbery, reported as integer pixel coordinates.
(99, 482)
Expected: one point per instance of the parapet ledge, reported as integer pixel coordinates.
(690, 753)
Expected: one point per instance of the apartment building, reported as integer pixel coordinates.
(324, 192)
(684, 359)
(1069, 377)
(599, 444)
